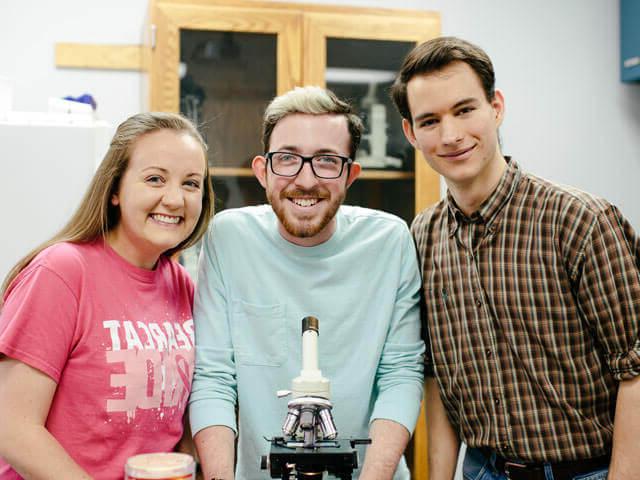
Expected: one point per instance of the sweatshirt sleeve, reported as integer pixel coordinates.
(214, 391)
(399, 377)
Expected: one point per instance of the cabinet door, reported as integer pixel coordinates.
(220, 66)
(357, 55)
(630, 40)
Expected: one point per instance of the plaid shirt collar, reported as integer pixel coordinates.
(490, 212)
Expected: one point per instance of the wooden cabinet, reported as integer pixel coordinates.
(221, 61)
(630, 40)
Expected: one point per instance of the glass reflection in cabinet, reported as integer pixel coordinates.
(362, 72)
(227, 80)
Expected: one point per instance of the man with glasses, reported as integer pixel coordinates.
(265, 268)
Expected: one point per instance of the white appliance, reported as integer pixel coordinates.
(46, 163)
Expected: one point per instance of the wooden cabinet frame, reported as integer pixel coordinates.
(406, 26)
(302, 30)
(170, 18)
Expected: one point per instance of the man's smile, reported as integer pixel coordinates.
(458, 154)
(305, 202)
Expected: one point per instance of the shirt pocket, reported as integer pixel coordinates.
(258, 334)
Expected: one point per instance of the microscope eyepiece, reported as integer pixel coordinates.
(310, 323)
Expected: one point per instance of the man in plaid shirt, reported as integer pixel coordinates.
(532, 294)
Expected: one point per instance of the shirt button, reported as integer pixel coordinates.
(489, 352)
(497, 401)
(478, 303)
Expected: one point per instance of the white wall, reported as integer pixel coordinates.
(29, 30)
(569, 118)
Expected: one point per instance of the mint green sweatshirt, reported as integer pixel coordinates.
(254, 287)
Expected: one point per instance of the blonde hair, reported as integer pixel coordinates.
(314, 101)
(96, 215)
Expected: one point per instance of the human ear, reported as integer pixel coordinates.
(259, 167)
(407, 128)
(498, 106)
(354, 172)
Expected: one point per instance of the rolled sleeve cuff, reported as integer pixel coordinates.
(208, 413)
(401, 405)
(625, 366)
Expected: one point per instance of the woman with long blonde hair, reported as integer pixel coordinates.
(96, 331)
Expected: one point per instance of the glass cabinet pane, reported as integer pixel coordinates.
(227, 79)
(362, 71)
(390, 195)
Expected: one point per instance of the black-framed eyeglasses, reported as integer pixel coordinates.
(323, 165)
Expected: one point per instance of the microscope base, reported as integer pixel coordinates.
(336, 457)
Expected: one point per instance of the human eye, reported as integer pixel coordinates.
(192, 183)
(465, 110)
(427, 122)
(327, 160)
(286, 157)
(154, 179)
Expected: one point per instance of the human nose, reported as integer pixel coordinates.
(450, 131)
(306, 177)
(173, 196)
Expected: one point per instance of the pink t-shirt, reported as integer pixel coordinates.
(118, 341)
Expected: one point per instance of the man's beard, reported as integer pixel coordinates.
(302, 228)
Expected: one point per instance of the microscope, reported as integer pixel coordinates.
(310, 445)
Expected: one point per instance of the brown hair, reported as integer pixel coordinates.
(96, 215)
(314, 101)
(436, 54)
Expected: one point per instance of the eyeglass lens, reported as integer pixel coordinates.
(290, 164)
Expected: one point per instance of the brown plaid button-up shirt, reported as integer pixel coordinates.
(533, 315)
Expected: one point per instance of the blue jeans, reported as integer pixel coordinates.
(477, 467)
